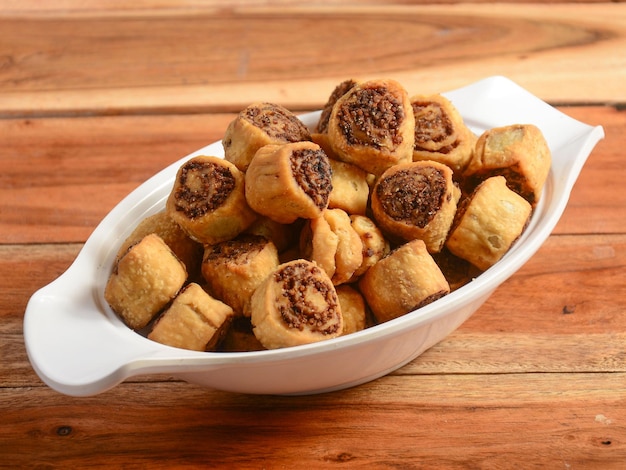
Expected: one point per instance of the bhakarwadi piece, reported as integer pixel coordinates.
(296, 304)
(353, 309)
(349, 254)
(257, 125)
(188, 251)
(405, 280)
(350, 188)
(144, 280)
(440, 132)
(375, 245)
(233, 269)
(338, 92)
(372, 126)
(416, 200)
(194, 321)
(518, 152)
(239, 337)
(319, 243)
(457, 271)
(283, 236)
(289, 181)
(208, 200)
(488, 223)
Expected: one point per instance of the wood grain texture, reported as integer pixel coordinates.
(86, 166)
(411, 421)
(219, 59)
(97, 96)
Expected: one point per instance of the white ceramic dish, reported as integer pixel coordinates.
(79, 347)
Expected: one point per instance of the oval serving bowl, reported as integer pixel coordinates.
(79, 347)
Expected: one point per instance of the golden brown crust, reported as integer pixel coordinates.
(144, 280)
(440, 132)
(416, 200)
(208, 200)
(257, 125)
(319, 243)
(297, 304)
(289, 181)
(349, 254)
(187, 250)
(350, 188)
(375, 245)
(405, 280)
(518, 152)
(194, 321)
(491, 221)
(235, 268)
(284, 236)
(239, 337)
(353, 309)
(372, 126)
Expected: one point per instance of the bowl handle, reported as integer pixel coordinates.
(74, 347)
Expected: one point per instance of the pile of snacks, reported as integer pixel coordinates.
(300, 235)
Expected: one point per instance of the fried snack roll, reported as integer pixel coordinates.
(488, 223)
(296, 304)
(234, 269)
(289, 181)
(283, 236)
(188, 251)
(257, 125)
(375, 245)
(416, 200)
(194, 321)
(372, 126)
(319, 243)
(208, 200)
(349, 254)
(353, 309)
(440, 132)
(405, 280)
(518, 152)
(350, 188)
(239, 337)
(338, 92)
(144, 280)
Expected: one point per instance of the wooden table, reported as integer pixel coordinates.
(97, 96)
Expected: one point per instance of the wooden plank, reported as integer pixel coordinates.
(63, 175)
(455, 421)
(67, 7)
(207, 64)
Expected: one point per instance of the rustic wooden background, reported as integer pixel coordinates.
(97, 96)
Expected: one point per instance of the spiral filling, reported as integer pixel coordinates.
(308, 300)
(413, 197)
(433, 126)
(313, 173)
(372, 117)
(340, 90)
(241, 249)
(277, 123)
(203, 187)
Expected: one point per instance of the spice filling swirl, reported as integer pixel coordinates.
(311, 170)
(307, 302)
(203, 187)
(277, 123)
(411, 196)
(433, 128)
(371, 117)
